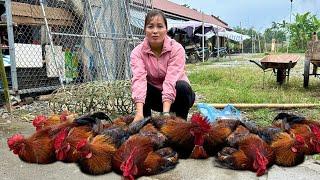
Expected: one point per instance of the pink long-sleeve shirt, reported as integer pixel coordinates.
(162, 72)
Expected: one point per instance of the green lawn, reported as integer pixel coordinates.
(235, 80)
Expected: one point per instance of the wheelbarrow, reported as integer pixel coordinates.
(281, 64)
(312, 56)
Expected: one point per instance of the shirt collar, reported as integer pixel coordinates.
(167, 45)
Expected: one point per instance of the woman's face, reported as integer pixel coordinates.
(156, 31)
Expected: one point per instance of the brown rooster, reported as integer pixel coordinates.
(183, 136)
(38, 148)
(136, 157)
(236, 136)
(299, 125)
(288, 148)
(252, 154)
(42, 121)
(218, 134)
(96, 155)
(156, 137)
(123, 120)
(119, 133)
(289, 119)
(66, 142)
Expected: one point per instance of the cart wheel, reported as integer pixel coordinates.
(281, 76)
(306, 73)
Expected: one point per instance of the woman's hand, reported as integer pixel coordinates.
(139, 112)
(138, 117)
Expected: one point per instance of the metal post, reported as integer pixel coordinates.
(14, 79)
(218, 54)
(51, 43)
(5, 84)
(202, 38)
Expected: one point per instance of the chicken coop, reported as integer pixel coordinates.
(55, 43)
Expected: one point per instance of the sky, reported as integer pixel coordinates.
(253, 13)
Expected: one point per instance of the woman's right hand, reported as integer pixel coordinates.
(139, 112)
(138, 117)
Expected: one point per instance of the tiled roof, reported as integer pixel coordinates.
(173, 8)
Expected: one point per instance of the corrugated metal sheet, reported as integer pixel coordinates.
(182, 11)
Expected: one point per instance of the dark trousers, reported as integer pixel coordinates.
(184, 100)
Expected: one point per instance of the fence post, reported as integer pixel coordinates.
(14, 79)
(5, 83)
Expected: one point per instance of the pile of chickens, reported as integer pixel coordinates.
(153, 145)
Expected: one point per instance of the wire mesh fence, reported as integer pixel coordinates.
(58, 42)
(65, 43)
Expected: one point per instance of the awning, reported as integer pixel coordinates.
(233, 36)
(195, 27)
(137, 19)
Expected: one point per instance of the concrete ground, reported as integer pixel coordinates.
(11, 167)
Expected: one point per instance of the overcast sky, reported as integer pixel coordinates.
(253, 13)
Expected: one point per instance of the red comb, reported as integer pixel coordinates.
(299, 138)
(63, 115)
(81, 144)
(316, 130)
(201, 121)
(13, 139)
(38, 119)
(61, 136)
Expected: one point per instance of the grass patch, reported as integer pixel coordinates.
(235, 80)
(244, 85)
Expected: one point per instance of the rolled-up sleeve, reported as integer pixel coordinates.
(139, 77)
(175, 71)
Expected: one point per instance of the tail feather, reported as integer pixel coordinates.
(135, 127)
(290, 118)
(117, 134)
(91, 119)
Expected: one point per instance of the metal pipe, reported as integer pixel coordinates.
(88, 36)
(13, 68)
(103, 59)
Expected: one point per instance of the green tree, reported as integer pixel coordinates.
(301, 30)
(248, 44)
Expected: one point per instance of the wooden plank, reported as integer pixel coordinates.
(34, 11)
(35, 21)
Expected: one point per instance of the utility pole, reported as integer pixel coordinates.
(290, 25)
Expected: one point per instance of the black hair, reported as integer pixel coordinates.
(152, 14)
